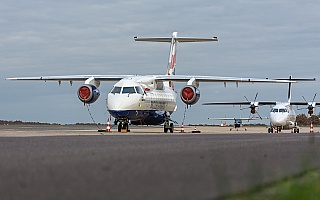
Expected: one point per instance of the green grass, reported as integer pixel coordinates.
(304, 186)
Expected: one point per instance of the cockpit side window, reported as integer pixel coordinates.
(116, 90)
(126, 90)
(139, 90)
(274, 110)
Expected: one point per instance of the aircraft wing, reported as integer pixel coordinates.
(260, 103)
(303, 103)
(176, 78)
(181, 78)
(240, 118)
(72, 78)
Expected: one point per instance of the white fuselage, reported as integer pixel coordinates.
(282, 115)
(141, 98)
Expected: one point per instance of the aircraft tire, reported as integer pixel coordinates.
(171, 127)
(119, 127)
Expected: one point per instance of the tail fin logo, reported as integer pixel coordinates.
(172, 64)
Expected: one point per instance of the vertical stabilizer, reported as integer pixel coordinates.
(173, 48)
(289, 90)
(172, 55)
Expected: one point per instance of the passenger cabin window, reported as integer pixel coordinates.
(116, 90)
(128, 90)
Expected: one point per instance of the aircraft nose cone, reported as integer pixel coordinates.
(114, 102)
(278, 120)
(123, 101)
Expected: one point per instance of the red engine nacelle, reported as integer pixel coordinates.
(88, 93)
(190, 94)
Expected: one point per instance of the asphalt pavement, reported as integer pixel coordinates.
(177, 166)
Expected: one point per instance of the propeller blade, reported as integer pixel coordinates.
(246, 99)
(304, 99)
(314, 97)
(255, 98)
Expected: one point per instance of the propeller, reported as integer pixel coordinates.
(311, 105)
(253, 105)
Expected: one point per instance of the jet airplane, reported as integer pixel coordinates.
(282, 114)
(147, 99)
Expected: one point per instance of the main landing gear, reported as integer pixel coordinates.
(279, 129)
(296, 130)
(167, 127)
(276, 130)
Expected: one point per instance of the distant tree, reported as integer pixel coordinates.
(314, 119)
(302, 120)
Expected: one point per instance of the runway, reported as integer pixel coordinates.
(85, 164)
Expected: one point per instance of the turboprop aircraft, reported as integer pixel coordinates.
(282, 114)
(147, 99)
(237, 121)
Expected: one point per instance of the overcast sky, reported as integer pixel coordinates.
(256, 39)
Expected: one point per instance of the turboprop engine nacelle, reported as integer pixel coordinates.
(88, 93)
(190, 94)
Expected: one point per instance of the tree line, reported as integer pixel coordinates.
(304, 120)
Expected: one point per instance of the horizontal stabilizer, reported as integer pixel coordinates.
(178, 39)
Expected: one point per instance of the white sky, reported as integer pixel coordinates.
(256, 39)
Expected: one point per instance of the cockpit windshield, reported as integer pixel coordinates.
(127, 90)
(282, 110)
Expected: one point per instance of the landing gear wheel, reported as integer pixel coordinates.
(119, 127)
(171, 127)
(279, 129)
(165, 130)
(123, 126)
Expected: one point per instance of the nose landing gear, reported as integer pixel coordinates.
(123, 126)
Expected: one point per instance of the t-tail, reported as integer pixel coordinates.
(293, 80)
(173, 48)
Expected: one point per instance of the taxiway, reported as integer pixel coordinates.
(80, 163)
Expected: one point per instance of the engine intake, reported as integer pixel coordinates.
(88, 93)
(190, 94)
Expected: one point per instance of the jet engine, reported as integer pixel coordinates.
(190, 94)
(88, 93)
